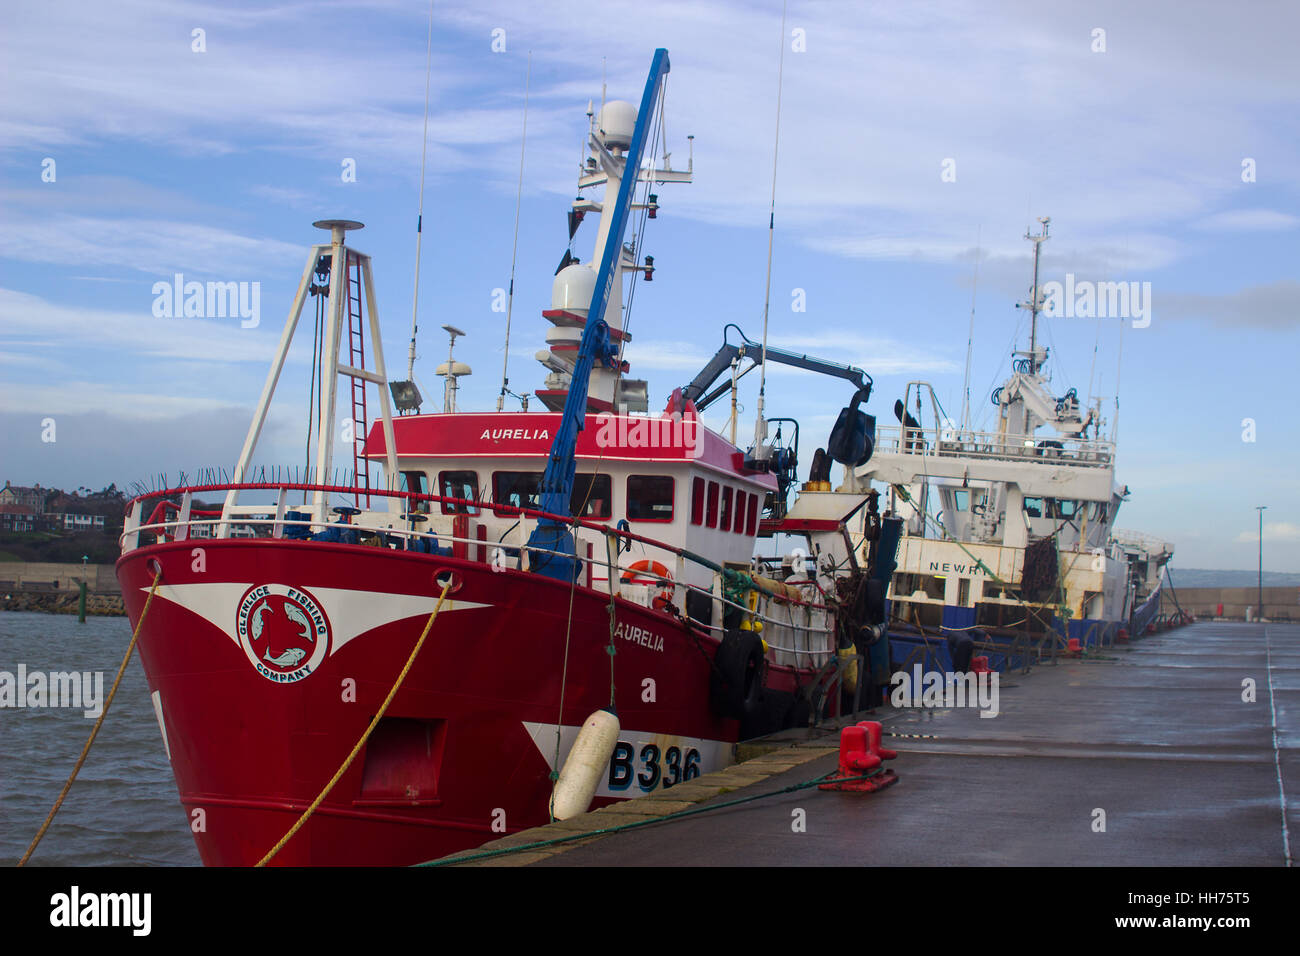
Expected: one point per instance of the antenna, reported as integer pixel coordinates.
(760, 425)
(970, 335)
(451, 370)
(514, 252)
(419, 218)
(1035, 299)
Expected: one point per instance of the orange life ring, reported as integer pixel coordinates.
(659, 574)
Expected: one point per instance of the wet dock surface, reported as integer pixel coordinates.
(1156, 734)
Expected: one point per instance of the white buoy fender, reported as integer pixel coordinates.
(585, 765)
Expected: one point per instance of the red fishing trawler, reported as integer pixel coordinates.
(589, 557)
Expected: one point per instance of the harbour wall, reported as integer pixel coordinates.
(1280, 603)
(55, 588)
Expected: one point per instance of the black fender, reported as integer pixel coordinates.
(736, 680)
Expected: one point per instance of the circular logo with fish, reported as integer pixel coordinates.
(283, 630)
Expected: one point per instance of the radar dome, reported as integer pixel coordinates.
(617, 123)
(573, 289)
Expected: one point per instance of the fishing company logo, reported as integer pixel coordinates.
(283, 630)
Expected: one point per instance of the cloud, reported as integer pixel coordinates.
(675, 356)
(151, 246)
(881, 356)
(1273, 531)
(30, 323)
(1275, 305)
(95, 447)
(1248, 220)
(880, 99)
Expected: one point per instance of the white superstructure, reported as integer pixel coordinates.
(974, 501)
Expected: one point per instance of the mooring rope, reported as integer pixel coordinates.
(364, 737)
(98, 723)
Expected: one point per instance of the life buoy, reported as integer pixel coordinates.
(656, 573)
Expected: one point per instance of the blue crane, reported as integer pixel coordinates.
(551, 548)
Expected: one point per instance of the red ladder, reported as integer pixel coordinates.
(357, 359)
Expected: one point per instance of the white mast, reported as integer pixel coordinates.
(341, 258)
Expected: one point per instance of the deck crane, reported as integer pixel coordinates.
(852, 439)
(551, 547)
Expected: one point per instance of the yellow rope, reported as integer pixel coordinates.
(364, 737)
(98, 723)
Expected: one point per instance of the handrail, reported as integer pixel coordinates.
(655, 580)
(533, 513)
(932, 441)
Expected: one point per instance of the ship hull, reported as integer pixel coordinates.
(909, 646)
(267, 660)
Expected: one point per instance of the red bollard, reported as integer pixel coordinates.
(1073, 648)
(980, 665)
(861, 753)
(874, 732)
(1122, 638)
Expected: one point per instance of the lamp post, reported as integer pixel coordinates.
(1261, 509)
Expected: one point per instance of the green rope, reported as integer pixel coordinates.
(680, 814)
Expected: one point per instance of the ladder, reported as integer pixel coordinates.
(357, 359)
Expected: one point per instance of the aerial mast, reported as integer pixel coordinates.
(970, 341)
(1035, 300)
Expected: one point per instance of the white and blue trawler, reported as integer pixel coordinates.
(1009, 536)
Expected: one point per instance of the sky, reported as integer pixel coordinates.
(918, 143)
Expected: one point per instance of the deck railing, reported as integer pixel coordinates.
(954, 443)
(170, 521)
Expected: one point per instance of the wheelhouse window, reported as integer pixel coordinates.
(591, 496)
(711, 506)
(741, 509)
(697, 501)
(1064, 508)
(650, 498)
(458, 484)
(1034, 507)
(751, 525)
(417, 482)
(522, 489)
(518, 489)
(724, 513)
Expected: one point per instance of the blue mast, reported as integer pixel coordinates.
(557, 481)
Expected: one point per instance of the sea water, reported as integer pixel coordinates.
(124, 808)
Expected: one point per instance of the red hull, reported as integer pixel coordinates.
(455, 760)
